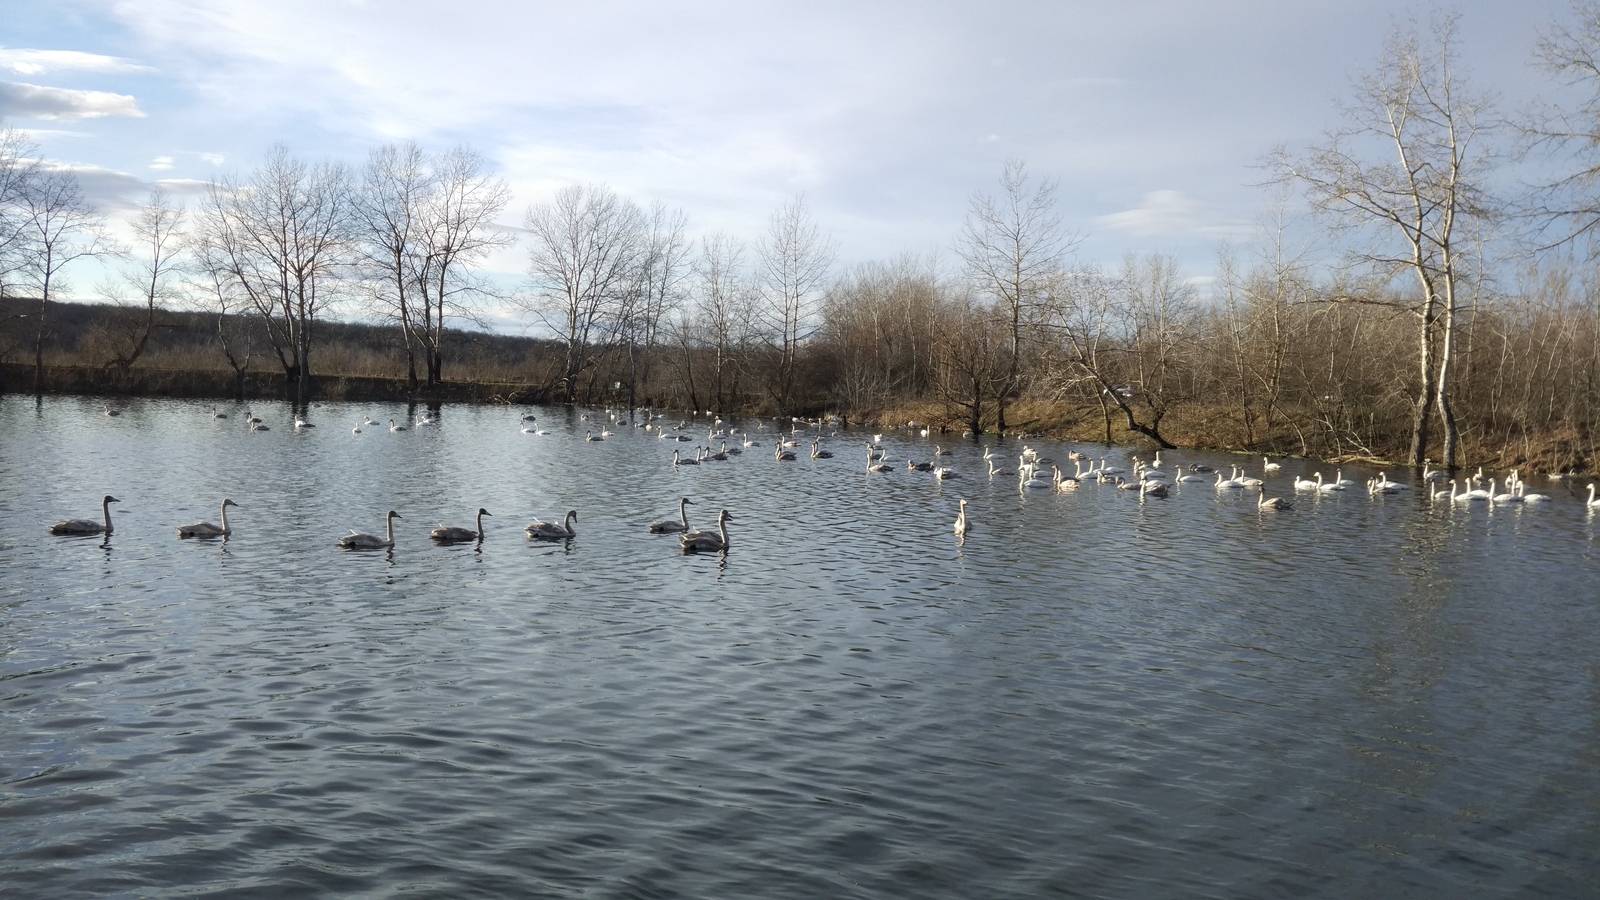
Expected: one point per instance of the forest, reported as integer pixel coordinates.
(1455, 320)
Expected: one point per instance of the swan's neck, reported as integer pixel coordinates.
(105, 508)
(224, 518)
(389, 531)
(722, 529)
(480, 524)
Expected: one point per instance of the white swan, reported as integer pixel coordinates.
(994, 471)
(355, 540)
(1305, 484)
(1031, 481)
(1191, 479)
(1330, 487)
(669, 526)
(962, 525)
(1232, 482)
(1063, 483)
(549, 531)
(356, 429)
(394, 427)
(1592, 503)
(1509, 496)
(1152, 488)
(1530, 498)
(872, 462)
(87, 526)
(817, 452)
(301, 424)
(206, 529)
(455, 534)
(943, 472)
(706, 541)
(1268, 465)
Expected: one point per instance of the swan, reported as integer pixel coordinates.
(206, 529)
(1382, 484)
(358, 541)
(1124, 484)
(1530, 498)
(707, 541)
(257, 426)
(549, 531)
(1245, 481)
(962, 525)
(394, 427)
(1033, 481)
(1233, 482)
(1187, 478)
(1306, 484)
(1152, 488)
(1444, 494)
(356, 429)
(993, 471)
(369, 422)
(87, 526)
(425, 422)
(1474, 494)
(1330, 487)
(1341, 481)
(1592, 503)
(678, 460)
(217, 414)
(940, 451)
(782, 454)
(1265, 502)
(818, 453)
(872, 462)
(113, 412)
(453, 534)
(1510, 495)
(1063, 482)
(591, 438)
(301, 424)
(943, 472)
(1268, 465)
(1432, 474)
(668, 526)
(918, 466)
(251, 418)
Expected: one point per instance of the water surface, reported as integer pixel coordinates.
(1091, 696)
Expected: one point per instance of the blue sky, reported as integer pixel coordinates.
(1153, 116)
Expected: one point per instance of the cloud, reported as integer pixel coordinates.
(161, 163)
(37, 62)
(116, 193)
(215, 159)
(31, 101)
(1169, 214)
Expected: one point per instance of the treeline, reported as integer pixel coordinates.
(1440, 322)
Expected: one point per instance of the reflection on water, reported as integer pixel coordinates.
(1089, 695)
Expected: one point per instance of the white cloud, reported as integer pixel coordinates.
(215, 159)
(37, 62)
(161, 163)
(117, 193)
(31, 101)
(1169, 214)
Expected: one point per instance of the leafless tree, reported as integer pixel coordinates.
(721, 320)
(583, 256)
(1566, 207)
(19, 170)
(61, 228)
(1408, 171)
(1013, 246)
(151, 284)
(658, 282)
(284, 239)
(792, 258)
(424, 220)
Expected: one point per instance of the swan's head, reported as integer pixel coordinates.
(229, 503)
(484, 512)
(110, 499)
(395, 515)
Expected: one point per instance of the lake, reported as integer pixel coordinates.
(1090, 696)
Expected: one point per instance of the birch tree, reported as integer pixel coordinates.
(1404, 177)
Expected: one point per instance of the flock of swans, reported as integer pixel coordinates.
(1150, 479)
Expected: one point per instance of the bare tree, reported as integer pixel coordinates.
(1406, 170)
(584, 251)
(284, 239)
(793, 258)
(62, 228)
(19, 170)
(1013, 247)
(723, 317)
(213, 289)
(150, 286)
(1566, 208)
(658, 279)
(424, 220)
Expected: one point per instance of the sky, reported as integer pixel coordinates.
(1152, 117)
